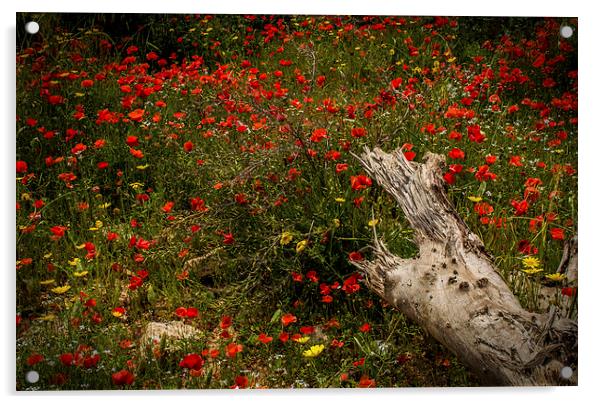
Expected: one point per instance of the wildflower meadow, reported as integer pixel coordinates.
(191, 205)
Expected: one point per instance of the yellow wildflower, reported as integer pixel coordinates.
(97, 225)
(47, 317)
(336, 223)
(74, 262)
(303, 340)
(301, 245)
(47, 282)
(531, 262)
(373, 222)
(59, 290)
(144, 167)
(475, 198)
(136, 185)
(104, 205)
(339, 200)
(557, 277)
(48, 255)
(313, 351)
(286, 238)
(80, 274)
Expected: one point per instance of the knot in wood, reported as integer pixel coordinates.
(482, 283)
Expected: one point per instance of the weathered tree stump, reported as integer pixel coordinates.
(453, 289)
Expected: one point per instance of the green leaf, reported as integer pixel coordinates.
(276, 316)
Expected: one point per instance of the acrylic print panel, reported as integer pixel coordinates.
(250, 201)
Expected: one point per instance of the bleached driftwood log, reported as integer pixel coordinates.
(453, 289)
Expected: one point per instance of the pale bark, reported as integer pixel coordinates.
(453, 289)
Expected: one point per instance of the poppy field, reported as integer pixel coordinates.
(190, 202)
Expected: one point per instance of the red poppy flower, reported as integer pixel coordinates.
(341, 167)
(327, 299)
(569, 292)
(307, 329)
(396, 83)
(21, 167)
(490, 159)
(167, 207)
(198, 205)
(358, 132)
(34, 359)
(56, 99)
(226, 322)
(366, 382)
(233, 349)
(137, 153)
(90, 303)
(241, 199)
(136, 115)
(91, 361)
(483, 208)
(526, 248)
(520, 208)
(228, 239)
(515, 161)
(264, 338)
(192, 312)
(318, 135)
(188, 146)
(557, 234)
(365, 327)
(449, 177)
(350, 284)
(456, 153)
(58, 231)
(454, 135)
(409, 155)
(132, 141)
(359, 362)
(192, 361)
(181, 312)
(135, 283)
(66, 359)
(539, 61)
(287, 319)
(123, 377)
(312, 276)
(359, 182)
(355, 256)
(483, 174)
(475, 134)
(241, 382)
